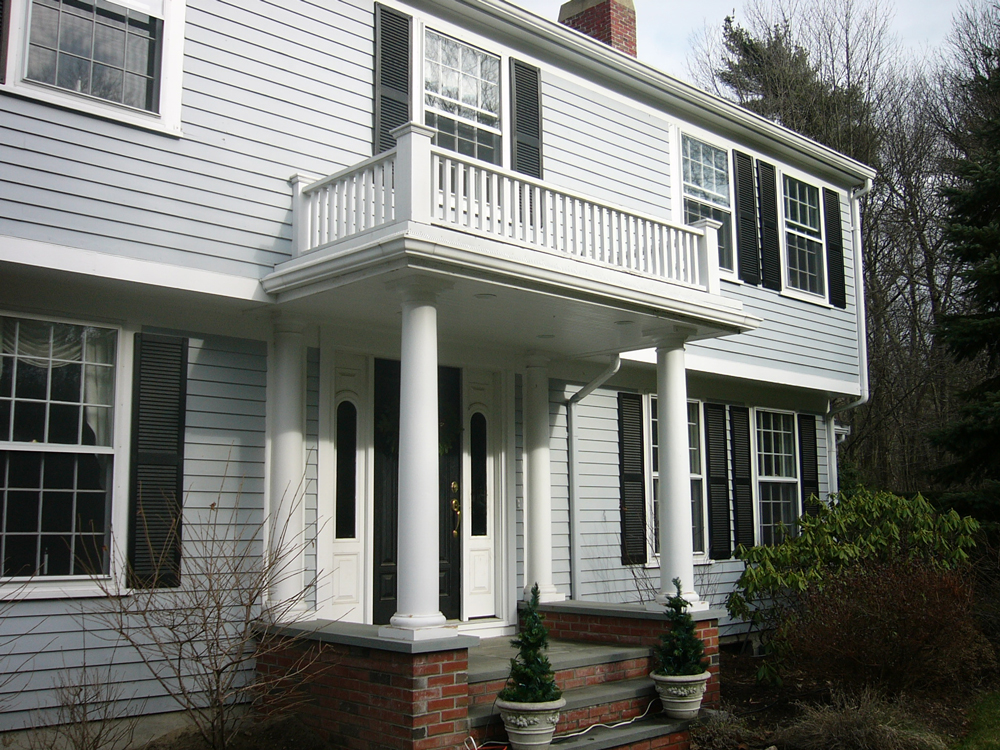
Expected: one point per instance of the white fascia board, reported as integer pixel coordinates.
(116, 267)
(750, 371)
(634, 74)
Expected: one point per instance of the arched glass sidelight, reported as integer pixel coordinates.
(347, 469)
(478, 452)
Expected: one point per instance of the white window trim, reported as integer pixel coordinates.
(725, 274)
(755, 467)
(167, 120)
(652, 556)
(439, 26)
(65, 587)
(787, 290)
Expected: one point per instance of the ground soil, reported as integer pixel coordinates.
(764, 708)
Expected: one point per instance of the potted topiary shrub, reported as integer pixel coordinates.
(682, 673)
(530, 702)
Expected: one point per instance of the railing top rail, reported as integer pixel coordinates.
(330, 179)
(436, 151)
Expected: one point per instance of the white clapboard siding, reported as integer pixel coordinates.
(795, 336)
(44, 641)
(270, 88)
(604, 148)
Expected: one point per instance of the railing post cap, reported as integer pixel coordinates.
(412, 127)
(707, 223)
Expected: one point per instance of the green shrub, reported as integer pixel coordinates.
(893, 625)
(531, 679)
(862, 528)
(863, 721)
(680, 651)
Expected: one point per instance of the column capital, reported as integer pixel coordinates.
(416, 129)
(419, 289)
(675, 339)
(282, 322)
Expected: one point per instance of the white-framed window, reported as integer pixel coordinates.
(804, 256)
(119, 60)
(461, 87)
(58, 385)
(777, 475)
(696, 465)
(706, 187)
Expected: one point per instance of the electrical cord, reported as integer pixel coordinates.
(643, 715)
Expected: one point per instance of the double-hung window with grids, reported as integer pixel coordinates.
(777, 477)
(57, 391)
(706, 191)
(462, 97)
(803, 237)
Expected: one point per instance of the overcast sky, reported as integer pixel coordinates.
(666, 26)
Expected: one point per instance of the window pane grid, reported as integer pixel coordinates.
(103, 50)
(54, 508)
(461, 81)
(778, 506)
(805, 271)
(775, 444)
(802, 224)
(705, 171)
(57, 394)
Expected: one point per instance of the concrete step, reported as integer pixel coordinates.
(576, 665)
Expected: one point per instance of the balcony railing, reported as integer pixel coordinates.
(416, 182)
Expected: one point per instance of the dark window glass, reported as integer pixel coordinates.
(478, 447)
(347, 461)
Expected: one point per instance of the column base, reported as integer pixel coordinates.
(418, 634)
(546, 593)
(695, 604)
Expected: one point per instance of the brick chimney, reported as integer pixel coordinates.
(608, 21)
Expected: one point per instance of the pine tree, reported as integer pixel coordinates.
(974, 334)
(531, 679)
(680, 651)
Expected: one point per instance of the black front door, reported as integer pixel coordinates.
(386, 487)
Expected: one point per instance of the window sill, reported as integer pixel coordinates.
(156, 123)
(60, 588)
(812, 299)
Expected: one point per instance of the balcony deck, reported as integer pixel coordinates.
(546, 251)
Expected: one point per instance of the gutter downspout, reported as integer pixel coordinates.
(574, 488)
(859, 302)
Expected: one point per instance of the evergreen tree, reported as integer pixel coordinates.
(974, 334)
(531, 679)
(680, 651)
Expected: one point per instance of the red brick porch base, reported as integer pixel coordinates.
(630, 625)
(366, 692)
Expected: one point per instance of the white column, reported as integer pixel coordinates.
(537, 483)
(674, 501)
(286, 513)
(418, 615)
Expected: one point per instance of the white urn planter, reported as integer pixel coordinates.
(681, 694)
(530, 725)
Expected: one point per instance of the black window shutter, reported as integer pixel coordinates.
(157, 472)
(392, 75)
(633, 478)
(834, 248)
(526, 97)
(770, 249)
(739, 425)
(747, 246)
(717, 459)
(808, 463)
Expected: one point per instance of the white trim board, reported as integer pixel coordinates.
(119, 268)
(750, 371)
